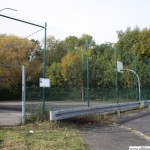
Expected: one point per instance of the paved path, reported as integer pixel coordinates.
(8, 117)
(10, 113)
(135, 132)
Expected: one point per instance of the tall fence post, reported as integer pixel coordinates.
(117, 94)
(23, 94)
(44, 67)
(149, 67)
(87, 77)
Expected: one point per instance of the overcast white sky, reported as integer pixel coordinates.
(99, 18)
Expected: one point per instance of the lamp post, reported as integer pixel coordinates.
(8, 8)
(138, 79)
(40, 26)
(44, 67)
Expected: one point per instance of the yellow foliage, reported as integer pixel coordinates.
(14, 52)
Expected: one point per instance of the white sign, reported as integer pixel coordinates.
(119, 66)
(44, 82)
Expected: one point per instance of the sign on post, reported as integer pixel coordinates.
(44, 82)
(119, 66)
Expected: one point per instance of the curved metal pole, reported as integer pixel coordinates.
(45, 27)
(137, 79)
(8, 8)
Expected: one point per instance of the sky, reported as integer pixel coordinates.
(98, 18)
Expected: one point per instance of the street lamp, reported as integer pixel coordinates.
(138, 79)
(45, 29)
(8, 8)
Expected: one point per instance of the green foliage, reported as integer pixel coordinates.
(145, 43)
(55, 50)
(37, 116)
(72, 43)
(66, 61)
(54, 73)
(133, 50)
(14, 52)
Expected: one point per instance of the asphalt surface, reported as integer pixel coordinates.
(131, 132)
(9, 117)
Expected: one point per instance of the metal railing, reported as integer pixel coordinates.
(64, 114)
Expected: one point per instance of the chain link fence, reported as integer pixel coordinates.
(67, 98)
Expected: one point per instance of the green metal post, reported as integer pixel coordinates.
(23, 21)
(138, 79)
(44, 27)
(149, 67)
(82, 78)
(87, 65)
(135, 69)
(44, 68)
(117, 98)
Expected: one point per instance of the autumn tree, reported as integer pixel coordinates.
(14, 52)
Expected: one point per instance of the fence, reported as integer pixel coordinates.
(75, 94)
(64, 98)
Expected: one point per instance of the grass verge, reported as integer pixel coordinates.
(45, 136)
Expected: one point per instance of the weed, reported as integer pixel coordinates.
(1, 139)
(37, 116)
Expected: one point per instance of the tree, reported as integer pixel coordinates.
(54, 73)
(55, 50)
(102, 66)
(14, 52)
(38, 52)
(73, 69)
(144, 49)
(133, 51)
(72, 43)
(91, 42)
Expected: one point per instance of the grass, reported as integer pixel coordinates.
(61, 135)
(45, 136)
